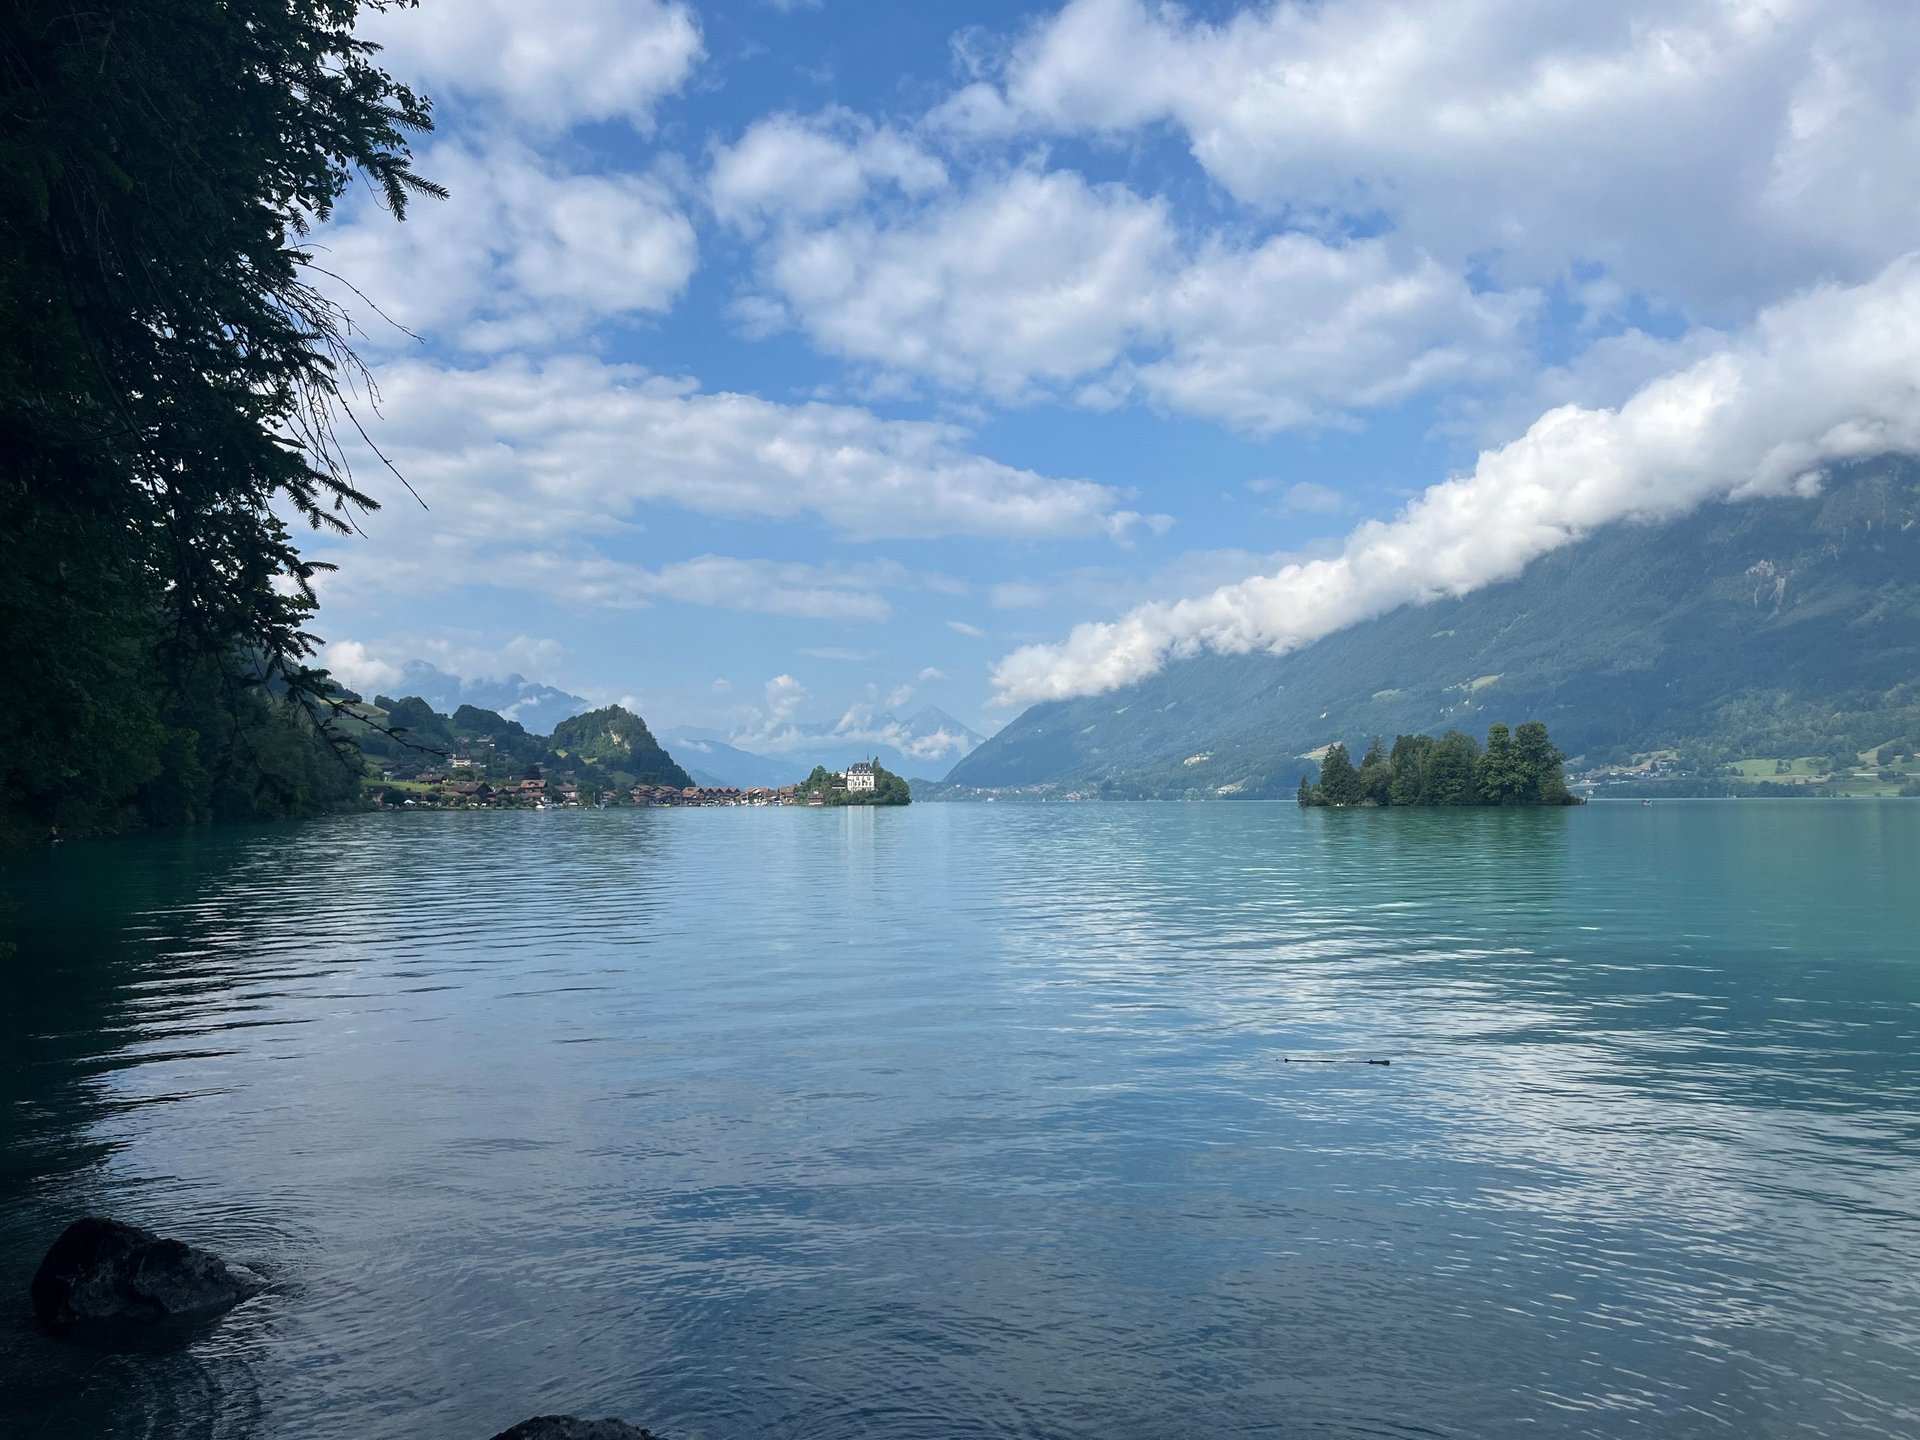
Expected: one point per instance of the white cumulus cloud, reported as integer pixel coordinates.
(573, 445)
(1830, 375)
(1717, 151)
(1031, 278)
(1296, 330)
(784, 695)
(792, 167)
(353, 665)
(552, 64)
(519, 254)
(1035, 281)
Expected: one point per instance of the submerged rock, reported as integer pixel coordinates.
(567, 1427)
(103, 1273)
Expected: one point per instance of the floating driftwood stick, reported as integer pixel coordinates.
(1328, 1060)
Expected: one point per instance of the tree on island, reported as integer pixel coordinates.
(1376, 775)
(1339, 781)
(1517, 768)
(1453, 773)
(1408, 768)
(1540, 761)
(1502, 780)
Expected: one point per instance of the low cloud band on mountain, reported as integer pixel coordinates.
(1766, 631)
(1831, 375)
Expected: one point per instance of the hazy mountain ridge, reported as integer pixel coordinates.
(1760, 627)
(536, 706)
(928, 740)
(712, 761)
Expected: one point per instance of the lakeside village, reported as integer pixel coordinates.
(417, 758)
(457, 790)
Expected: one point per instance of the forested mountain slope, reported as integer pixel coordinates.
(1760, 628)
(408, 738)
(617, 740)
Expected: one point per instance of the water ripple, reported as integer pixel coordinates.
(970, 1121)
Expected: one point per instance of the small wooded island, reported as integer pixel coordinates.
(1517, 767)
(867, 783)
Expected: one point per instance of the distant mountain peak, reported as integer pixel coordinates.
(928, 739)
(930, 718)
(723, 764)
(537, 706)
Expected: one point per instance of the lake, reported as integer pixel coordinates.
(971, 1120)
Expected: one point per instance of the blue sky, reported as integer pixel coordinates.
(789, 362)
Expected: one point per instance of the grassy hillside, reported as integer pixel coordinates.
(1763, 629)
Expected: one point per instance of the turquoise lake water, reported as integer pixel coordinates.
(973, 1121)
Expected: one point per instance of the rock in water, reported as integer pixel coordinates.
(566, 1427)
(100, 1272)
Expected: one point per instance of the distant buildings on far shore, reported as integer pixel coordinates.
(433, 791)
(702, 795)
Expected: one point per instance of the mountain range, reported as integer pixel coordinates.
(1759, 628)
(926, 742)
(537, 707)
(710, 760)
(408, 739)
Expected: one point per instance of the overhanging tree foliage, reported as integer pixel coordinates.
(171, 380)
